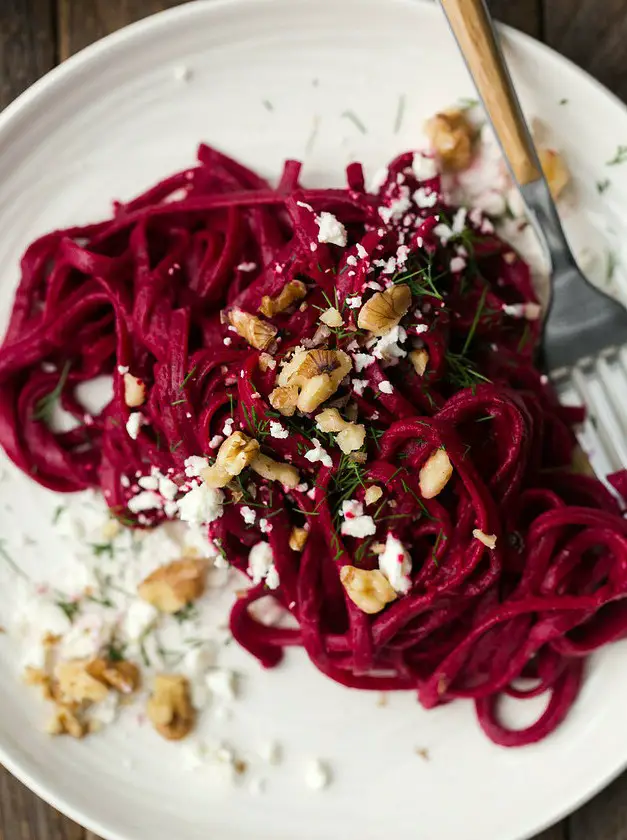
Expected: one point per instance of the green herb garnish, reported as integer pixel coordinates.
(352, 116)
(619, 157)
(45, 406)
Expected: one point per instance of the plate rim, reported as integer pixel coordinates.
(33, 97)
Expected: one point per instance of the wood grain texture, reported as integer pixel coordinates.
(27, 44)
(23, 816)
(605, 818)
(80, 22)
(593, 34)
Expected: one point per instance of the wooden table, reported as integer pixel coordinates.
(37, 34)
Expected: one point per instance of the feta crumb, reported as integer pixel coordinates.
(330, 229)
(362, 361)
(227, 429)
(304, 205)
(272, 578)
(148, 482)
(388, 346)
(395, 564)
(317, 775)
(351, 260)
(458, 264)
(397, 207)
(421, 328)
(122, 369)
(195, 464)
(146, 500)
(402, 252)
(355, 523)
(443, 232)
(318, 453)
(359, 385)
(361, 251)
(248, 515)
(260, 561)
(247, 266)
(221, 683)
(200, 505)
(278, 431)
(385, 386)
(215, 441)
(353, 302)
(227, 341)
(133, 424)
(167, 488)
(139, 618)
(459, 220)
(424, 167)
(425, 198)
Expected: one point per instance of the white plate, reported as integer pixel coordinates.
(110, 122)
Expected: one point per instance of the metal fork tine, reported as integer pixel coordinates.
(603, 416)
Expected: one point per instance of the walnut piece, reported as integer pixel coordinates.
(122, 676)
(420, 360)
(555, 171)
(266, 362)
(285, 474)
(258, 333)
(298, 538)
(74, 683)
(384, 310)
(372, 494)
(350, 436)
(171, 587)
(435, 474)
(66, 722)
(236, 453)
(489, 540)
(292, 292)
(451, 137)
(316, 375)
(170, 708)
(369, 590)
(134, 391)
(332, 317)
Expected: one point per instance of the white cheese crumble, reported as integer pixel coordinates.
(194, 465)
(425, 198)
(202, 504)
(146, 500)
(385, 386)
(215, 441)
(139, 618)
(330, 229)
(388, 346)
(247, 266)
(133, 424)
(395, 563)
(317, 775)
(443, 232)
(362, 361)
(424, 167)
(359, 386)
(397, 207)
(122, 369)
(458, 264)
(248, 515)
(353, 302)
(318, 453)
(222, 684)
(227, 429)
(261, 565)
(278, 431)
(355, 523)
(361, 251)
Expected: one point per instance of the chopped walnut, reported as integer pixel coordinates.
(384, 310)
(332, 317)
(555, 171)
(420, 360)
(74, 683)
(266, 362)
(435, 474)
(122, 676)
(294, 291)
(38, 677)
(369, 590)
(171, 587)
(489, 540)
(134, 391)
(372, 494)
(259, 334)
(66, 722)
(170, 708)
(452, 138)
(285, 474)
(298, 538)
(236, 453)
(350, 436)
(316, 375)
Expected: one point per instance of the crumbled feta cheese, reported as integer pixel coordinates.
(272, 578)
(318, 453)
(167, 488)
(402, 252)
(330, 229)
(385, 386)
(388, 346)
(351, 260)
(215, 441)
(221, 683)
(355, 523)
(201, 504)
(248, 515)
(424, 167)
(317, 775)
(198, 661)
(278, 431)
(139, 618)
(247, 266)
(397, 207)
(86, 638)
(359, 386)
(148, 482)
(491, 202)
(227, 341)
(260, 561)
(395, 564)
(361, 251)
(421, 328)
(227, 429)
(304, 205)
(122, 369)
(425, 198)
(195, 464)
(362, 361)
(146, 500)
(443, 232)
(378, 180)
(458, 264)
(459, 220)
(353, 302)
(133, 424)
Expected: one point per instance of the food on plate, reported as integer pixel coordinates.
(334, 390)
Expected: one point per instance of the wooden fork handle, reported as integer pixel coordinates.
(473, 29)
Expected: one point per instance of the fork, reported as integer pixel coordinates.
(581, 322)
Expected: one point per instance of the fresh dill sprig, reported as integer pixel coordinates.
(187, 377)
(603, 185)
(100, 549)
(420, 280)
(461, 372)
(352, 116)
(475, 321)
(187, 613)
(44, 407)
(70, 608)
(116, 651)
(619, 157)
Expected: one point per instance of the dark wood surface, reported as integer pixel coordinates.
(36, 34)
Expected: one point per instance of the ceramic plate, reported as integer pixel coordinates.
(320, 80)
